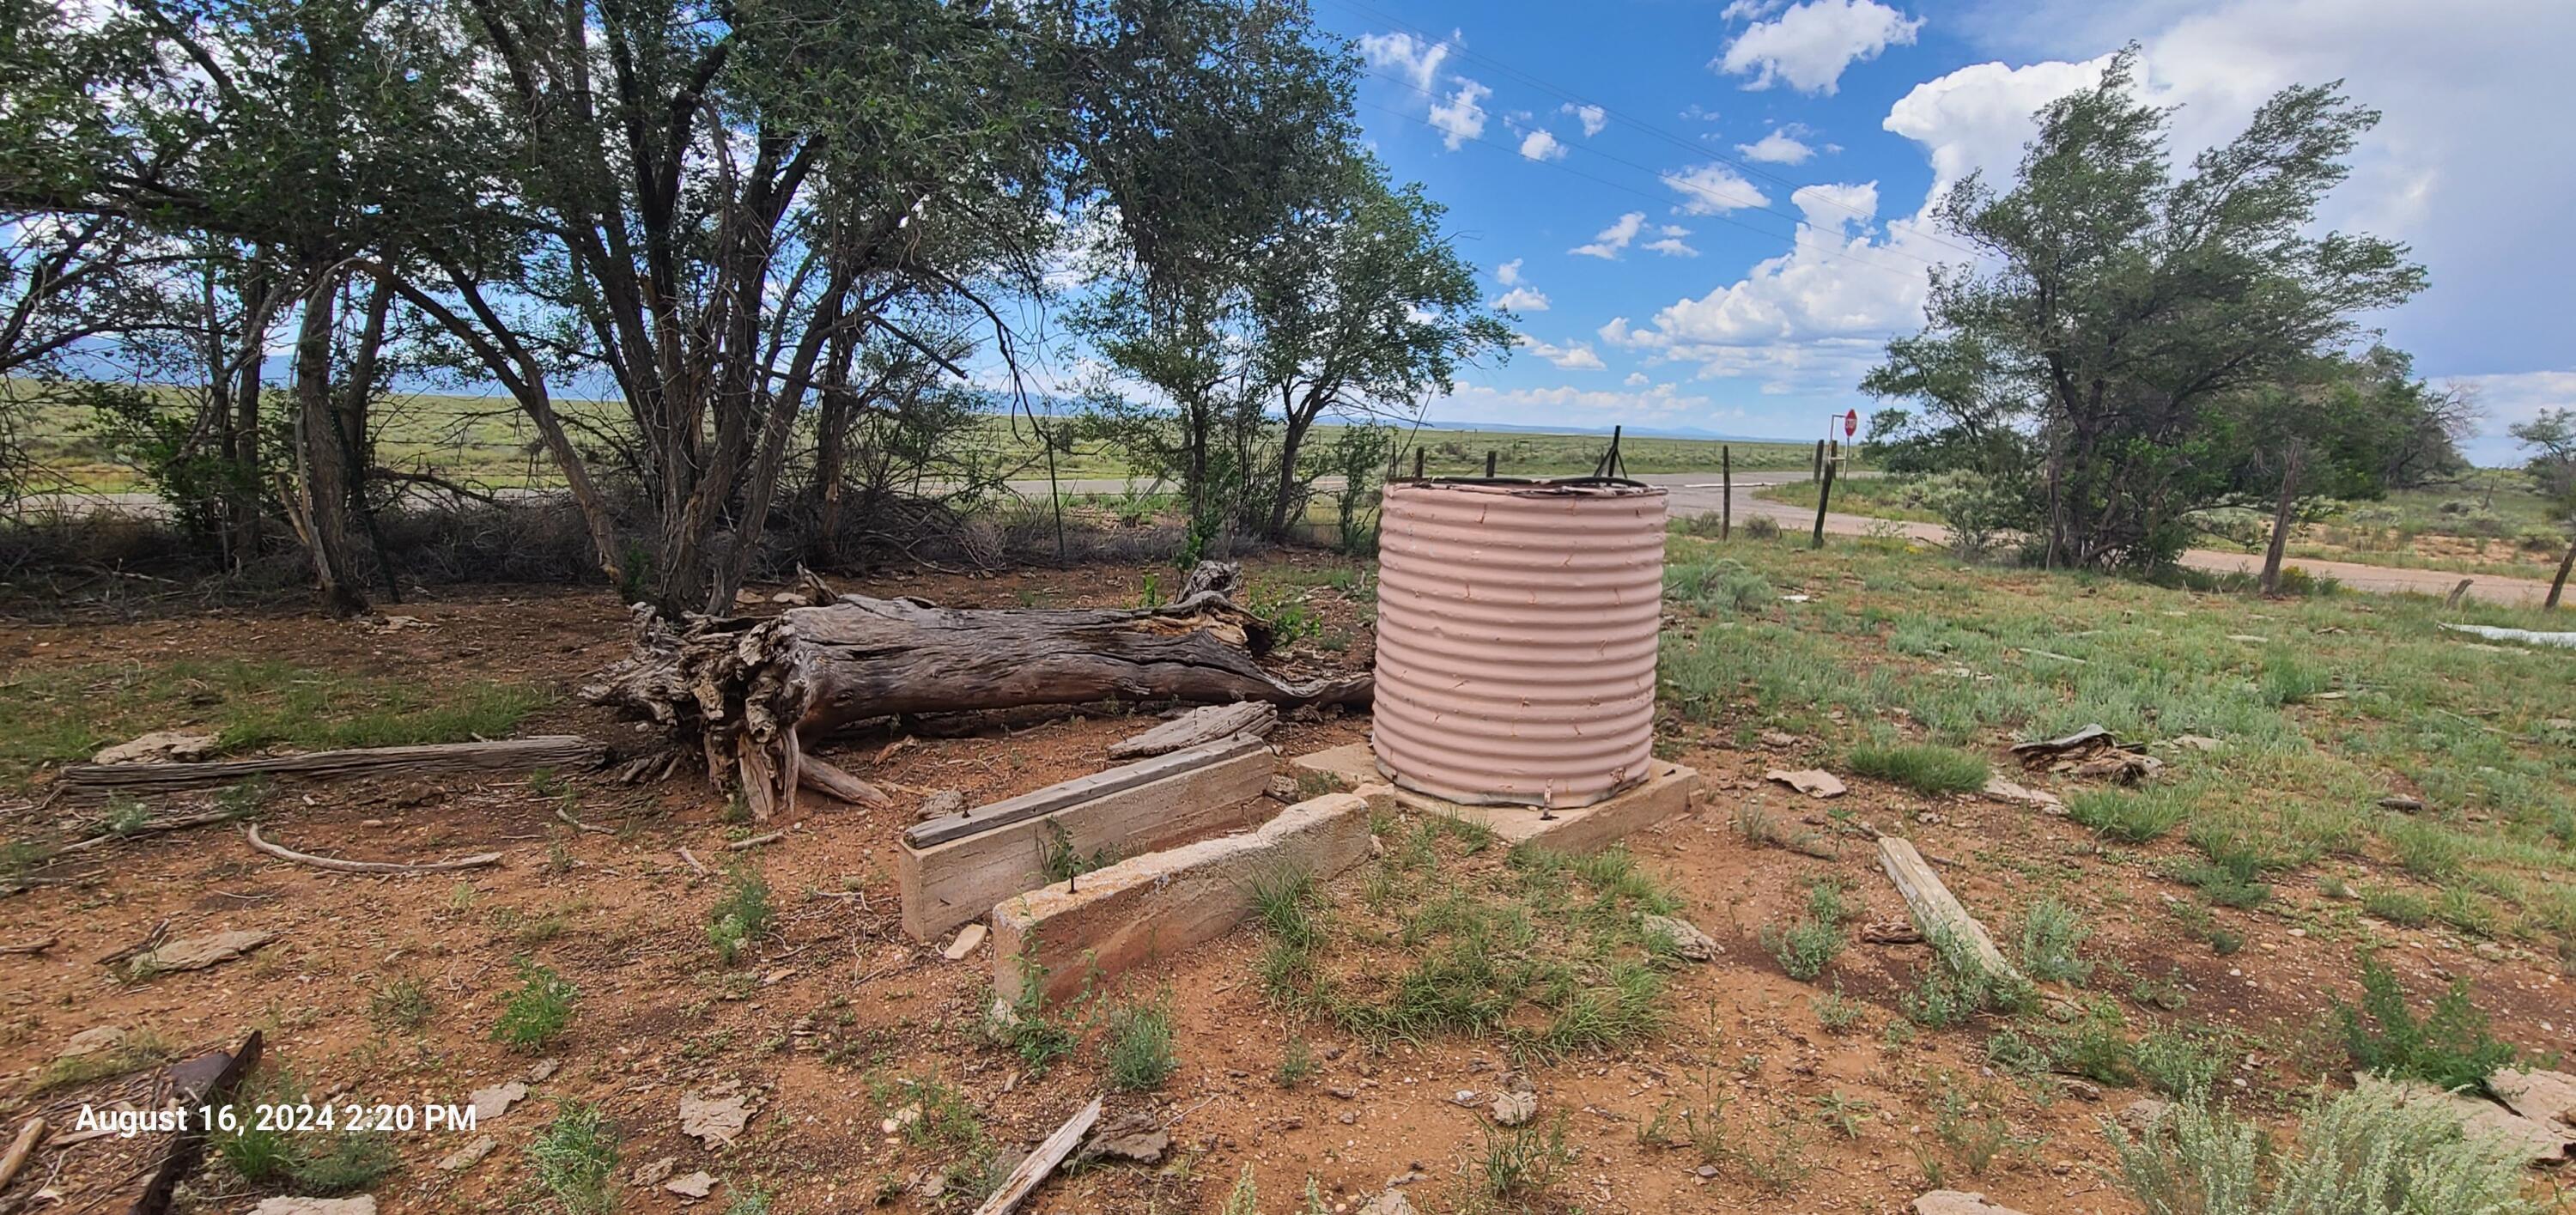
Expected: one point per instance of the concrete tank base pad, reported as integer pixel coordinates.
(1665, 792)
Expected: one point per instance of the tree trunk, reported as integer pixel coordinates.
(321, 501)
(742, 686)
(2558, 585)
(2282, 518)
(351, 427)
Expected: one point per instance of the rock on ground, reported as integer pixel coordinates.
(92, 1041)
(159, 747)
(715, 1121)
(1388, 1203)
(1513, 1109)
(1686, 937)
(468, 1156)
(496, 1100)
(696, 1185)
(360, 1205)
(1814, 782)
(200, 952)
(1137, 1138)
(1954, 1202)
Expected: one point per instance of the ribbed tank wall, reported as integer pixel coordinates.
(1516, 639)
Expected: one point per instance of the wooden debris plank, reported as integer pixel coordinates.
(1935, 910)
(1041, 1163)
(1074, 792)
(1205, 724)
(945, 885)
(831, 780)
(20, 1149)
(1158, 904)
(502, 755)
(210, 1080)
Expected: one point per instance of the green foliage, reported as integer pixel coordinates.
(1138, 1050)
(269, 1153)
(1922, 767)
(538, 1012)
(1244, 1198)
(403, 1003)
(2052, 937)
(1297, 1065)
(1810, 942)
(139, 1050)
(2094, 252)
(2130, 818)
(743, 915)
(2448, 1047)
(1522, 1162)
(2400, 907)
(574, 1160)
(2365, 1152)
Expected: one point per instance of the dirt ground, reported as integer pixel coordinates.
(823, 1020)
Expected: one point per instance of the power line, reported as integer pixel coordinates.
(1692, 146)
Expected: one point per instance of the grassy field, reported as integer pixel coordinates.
(487, 441)
(2301, 716)
(2492, 524)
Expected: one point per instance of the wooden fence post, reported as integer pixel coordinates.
(1824, 494)
(1726, 492)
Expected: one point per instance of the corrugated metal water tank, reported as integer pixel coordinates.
(1516, 638)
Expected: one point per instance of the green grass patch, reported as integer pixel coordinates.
(1921, 767)
(538, 1011)
(65, 714)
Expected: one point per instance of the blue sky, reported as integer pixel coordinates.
(1704, 214)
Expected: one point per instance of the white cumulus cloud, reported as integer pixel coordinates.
(1809, 45)
(1462, 116)
(1714, 189)
(1419, 59)
(1777, 148)
(1572, 357)
(1522, 299)
(1508, 273)
(1614, 238)
(1593, 117)
(1541, 145)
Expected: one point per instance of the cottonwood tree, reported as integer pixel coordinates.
(2549, 444)
(1209, 131)
(2126, 306)
(1361, 312)
(2334, 427)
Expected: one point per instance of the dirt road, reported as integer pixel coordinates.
(1696, 494)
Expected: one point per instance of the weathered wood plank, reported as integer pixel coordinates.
(1041, 1163)
(1936, 911)
(945, 885)
(1118, 918)
(500, 755)
(1073, 792)
(1205, 724)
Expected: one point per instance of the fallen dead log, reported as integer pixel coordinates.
(1205, 724)
(742, 689)
(336, 865)
(37, 946)
(499, 755)
(1041, 1163)
(148, 827)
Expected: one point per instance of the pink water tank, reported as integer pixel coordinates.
(1516, 637)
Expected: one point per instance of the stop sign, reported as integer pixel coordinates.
(1851, 423)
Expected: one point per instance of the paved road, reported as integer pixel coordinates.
(1697, 494)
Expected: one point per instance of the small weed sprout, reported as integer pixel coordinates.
(742, 916)
(537, 1013)
(2052, 934)
(575, 1160)
(2449, 1046)
(404, 1003)
(1297, 1065)
(1138, 1050)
